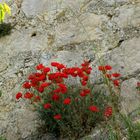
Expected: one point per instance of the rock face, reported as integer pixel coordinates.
(66, 31)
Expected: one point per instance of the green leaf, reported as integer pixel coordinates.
(2, 15)
(6, 9)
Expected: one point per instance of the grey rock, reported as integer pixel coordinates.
(83, 28)
(130, 96)
(129, 16)
(125, 59)
(34, 7)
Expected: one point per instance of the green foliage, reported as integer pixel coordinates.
(112, 134)
(69, 110)
(77, 119)
(132, 129)
(128, 129)
(5, 29)
(2, 138)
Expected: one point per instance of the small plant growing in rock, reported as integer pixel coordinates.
(132, 129)
(2, 138)
(5, 28)
(69, 110)
(138, 86)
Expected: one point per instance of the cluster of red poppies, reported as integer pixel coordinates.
(113, 77)
(44, 79)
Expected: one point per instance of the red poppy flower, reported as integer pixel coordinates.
(108, 67)
(62, 85)
(31, 77)
(51, 76)
(108, 76)
(80, 73)
(63, 91)
(87, 91)
(85, 78)
(93, 109)
(67, 101)
(57, 90)
(56, 77)
(83, 83)
(37, 74)
(57, 117)
(60, 66)
(63, 88)
(46, 70)
(45, 84)
(26, 85)
(116, 83)
(42, 77)
(83, 94)
(59, 80)
(39, 67)
(40, 89)
(37, 98)
(85, 64)
(108, 112)
(116, 75)
(88, 71)
(18, 95)
(28, 95)
(64, 75)
(34, 83)
(55, 97)
(55, 64)
(74, 74)
(65, 70)
(47, 106)
(138, 84)
(101, 68)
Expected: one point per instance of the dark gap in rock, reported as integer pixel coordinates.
(33, 34)
(120, 42)
(110, 15)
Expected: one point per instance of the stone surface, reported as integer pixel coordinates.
(33, 7)
(66, 31)
(130, 95)
(126, 58)
(128, 16)
(74, 32)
